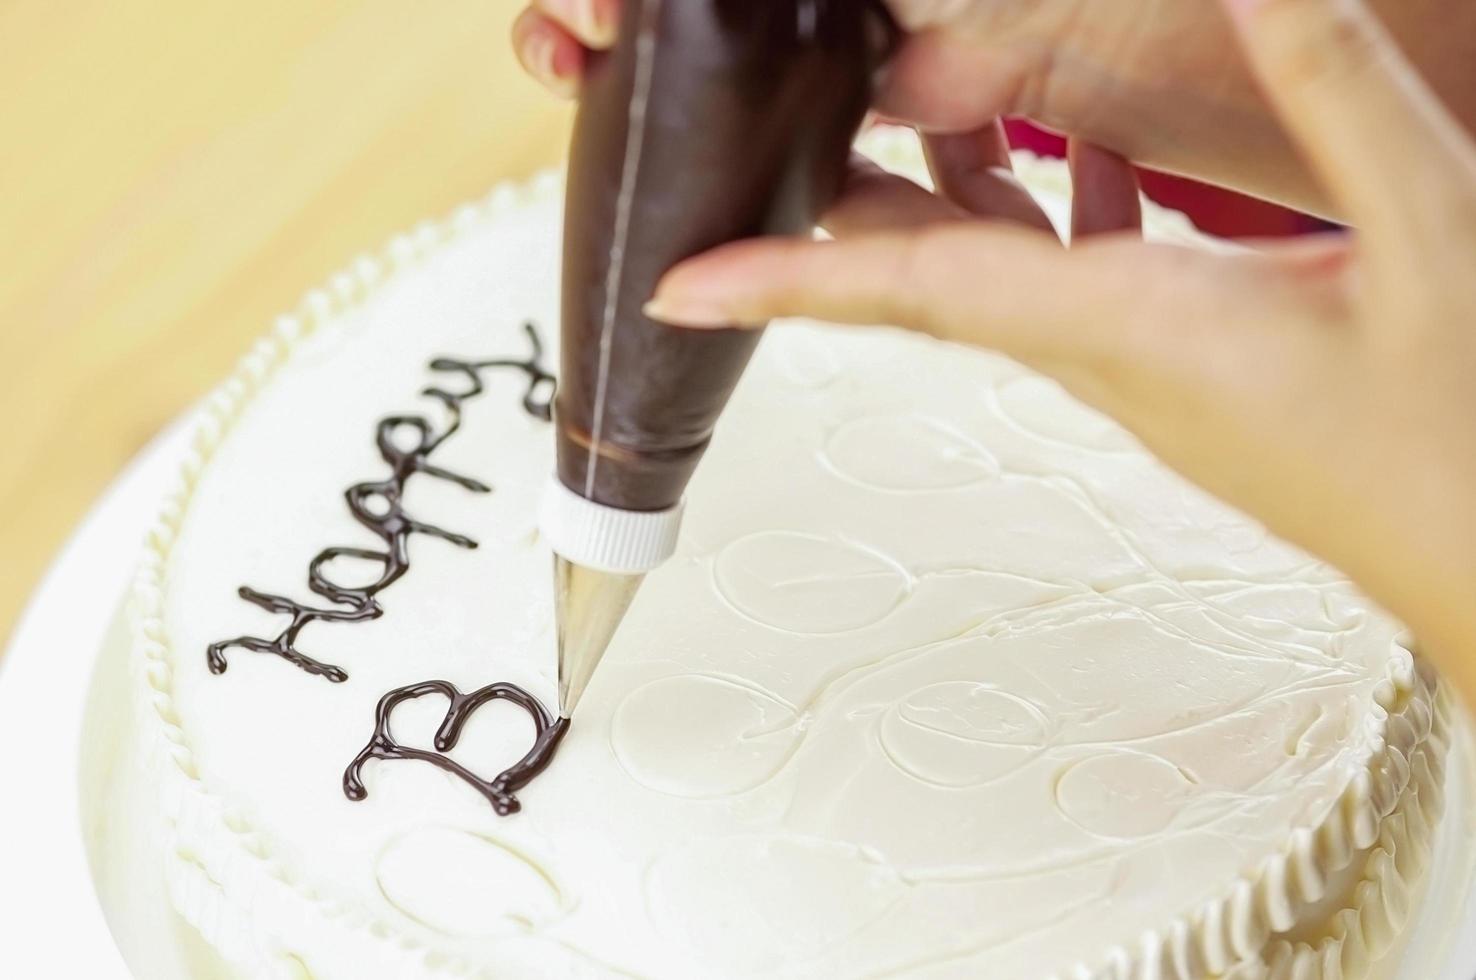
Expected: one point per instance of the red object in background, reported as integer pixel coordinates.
(1212, 209)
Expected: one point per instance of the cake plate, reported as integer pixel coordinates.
(50, 920)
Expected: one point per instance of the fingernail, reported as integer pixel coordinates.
(538, 52)
(541, 55)
(597, 28)
(687, 313)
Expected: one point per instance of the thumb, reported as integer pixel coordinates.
(1385, 146)
(998, 286)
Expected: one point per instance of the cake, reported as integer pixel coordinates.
(949, 678)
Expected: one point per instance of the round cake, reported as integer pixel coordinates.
(949, 678)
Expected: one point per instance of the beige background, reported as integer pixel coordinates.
(174, 173)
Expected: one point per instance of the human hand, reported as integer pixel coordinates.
(971, 169)
(1325, 386)
(1160, 84)
(966, 63)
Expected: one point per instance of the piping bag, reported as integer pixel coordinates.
(709, 122)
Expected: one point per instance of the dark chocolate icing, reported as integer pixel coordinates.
(378, 506)
(499, 791)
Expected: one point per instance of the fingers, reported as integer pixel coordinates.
(958, 156)
(549, 53)
(944, 80)
(1318, 256)
(593, 23)
(973, 170)
(552, 36)
(973, 178)
(873, 279)
(1104, 196)
(998, 286)
(1375, 132)
(875, 200)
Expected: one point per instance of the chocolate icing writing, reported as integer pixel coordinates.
(378, 505)
(501, 790)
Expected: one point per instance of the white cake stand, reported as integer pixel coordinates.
(50, 922)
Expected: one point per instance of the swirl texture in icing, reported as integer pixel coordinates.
(1017, 702)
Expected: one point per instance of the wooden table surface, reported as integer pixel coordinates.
(173, 174)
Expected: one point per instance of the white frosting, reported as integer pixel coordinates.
(949, 678)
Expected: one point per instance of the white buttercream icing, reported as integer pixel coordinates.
(949, 678)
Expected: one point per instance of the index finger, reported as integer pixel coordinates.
(592, 22)
(994, 285)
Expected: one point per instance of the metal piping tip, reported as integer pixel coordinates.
(589, 606)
